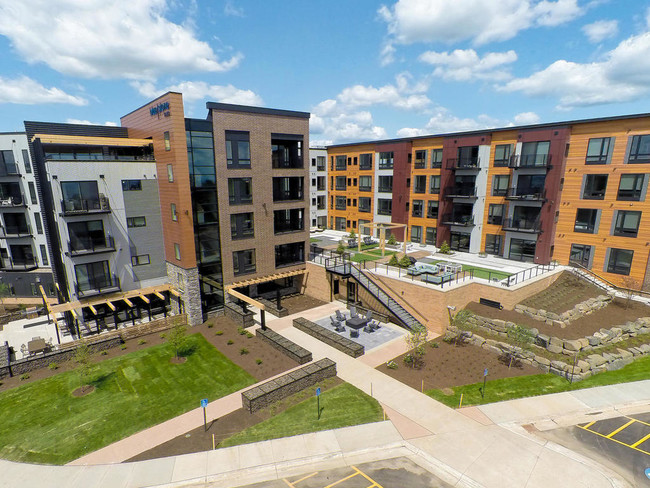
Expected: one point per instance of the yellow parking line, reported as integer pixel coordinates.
(614, 440)
(609, 436)
(640, 421)
(344, 479)
(641, 441)
(588, 425)
(293, 485)
(374, 483)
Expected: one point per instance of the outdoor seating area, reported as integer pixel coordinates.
(363, 328)
(354, 322)
(419, 268)
(35, 346)
(438, 279)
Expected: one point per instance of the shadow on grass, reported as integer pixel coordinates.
(102, 379)
(187, 350)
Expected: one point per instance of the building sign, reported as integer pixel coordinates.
(161, 108)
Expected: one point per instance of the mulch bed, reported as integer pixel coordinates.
(563, 294)
(300, 303)
(616, 313)
(449, 365)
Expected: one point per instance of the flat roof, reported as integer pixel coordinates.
(228, 107)
(91, 141)
(545, 125)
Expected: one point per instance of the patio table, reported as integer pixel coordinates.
(356, 322)
(36, 345)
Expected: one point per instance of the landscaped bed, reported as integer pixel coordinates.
(563, 294)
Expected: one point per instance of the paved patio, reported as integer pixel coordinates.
(369, 340)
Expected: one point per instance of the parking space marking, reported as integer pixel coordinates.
(641, 441)
(357, 472)
(293, 485)
(609, 436)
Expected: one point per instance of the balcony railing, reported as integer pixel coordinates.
(458, 219)
(288, 226)
(342, 187)
(98, 285)
(82, 247)
(462, 191)
(364, 209)
(320, 188)
(420, 164)
(320, 206)
(320, 167)
(86, 205)
(25, 264)
(281, 163)
(365, 188)
(530, 161)
(529, 194)
(15, 231)
(11, 171)
(463, 163)
(522, 225)
(16, 201)
(432, 215)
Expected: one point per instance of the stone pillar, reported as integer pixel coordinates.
(187, 283)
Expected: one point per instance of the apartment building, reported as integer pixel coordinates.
(233, 198)
(24, 256)
(572, 191)
(318, 188)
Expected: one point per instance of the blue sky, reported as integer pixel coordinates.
(365, 70)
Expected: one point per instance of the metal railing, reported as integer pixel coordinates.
(530, 161)
(98, 285)
(529, 273)
(463, 163)
(522, 225)
(85, 205)
(18, 265)
(16, 231)
(526, 193)
(13, 201)
(460, 191)
(89, 246)
(464, 220)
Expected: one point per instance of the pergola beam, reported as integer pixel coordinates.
(244, 298)
(264, 279)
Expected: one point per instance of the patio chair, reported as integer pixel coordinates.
(369, 315)
(340, 328)
(353, 312)
(341, 316)
(354, 333)
(334, 321)
(368, 328)
(376, 324)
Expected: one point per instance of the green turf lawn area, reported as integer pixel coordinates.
(486, 273)
(342, 406)
(44, 423)
(360, 257)
(313, 239)
(542, 384)
(377, 252)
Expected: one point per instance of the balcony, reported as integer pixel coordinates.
(15, 231)
(83, 247)
(464, 220)
(82, 206)
(97, 285)
(365, 188)
(15, 201)
(526, 194)
(9, 170)
(463, 163)
(320, 187)
(339, 187)
(530, 161)
(23, 264)
(522, 225)
(420, 164)
(460, 191)
(320, 206)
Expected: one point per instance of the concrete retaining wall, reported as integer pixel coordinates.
(285, 346)
(329, 337)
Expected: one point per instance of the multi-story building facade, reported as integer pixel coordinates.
(24, 256)
(572, 191)
(318, 188)
(233, 200)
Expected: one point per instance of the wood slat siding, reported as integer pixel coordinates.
(429, 145)
(570, 199)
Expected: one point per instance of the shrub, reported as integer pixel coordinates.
(210, 325)
(352, 235)
(123, 346)
(340, 249)
(391, 240)
(391, 365)
(24, 376)
(142, 341)
(248, 335)
(408, 359)
(163, 335)
(434, 345)
(444, 249)
(241, 330)
(219, 332)
(230, 342)
(53, 366)
(243, 351)
(104, 353)
(258, 361)
(393, 261)
(404, 261)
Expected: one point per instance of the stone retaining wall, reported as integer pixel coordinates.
(271, 307)
(284, 345)
(329, 337)
(562, 320)
(286, 385)
(237, 315)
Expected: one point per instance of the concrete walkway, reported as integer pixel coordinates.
(479, 446)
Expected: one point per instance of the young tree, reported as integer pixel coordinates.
(393, 261)
(460, 322)
(630, 286)
(391, 240)
(352, 234)
(416, 343)
(4, 292)
(404, 261)
(177, 338)
(520, 337)
(444, 249)
(340, 249)
(82, 356)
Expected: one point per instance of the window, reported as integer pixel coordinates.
(598, 150)
(420, 184)
(586, 220)
(434, 184)
(432, 209)
(168, 144)
(286, 188)
(522, 250)
(467, 157)
(594, 187)
(28, 163)
(140, 260)
(340, 183)
(384, 206)
(386, 184)
(136, 222)
(243, 262)
(44, 255)
(416, 233)
(340, 223)
(320, 183)
(131, 185)
(174, 214)
(81, 196)
(170, 173)
(289, 254)
(177, 251)
(288, 220)
(459, 241)
(436, 158)
(386, 160)
(364, 204)
(535, 154)
(418, 208)
(630, 187)
(493, 243)
(341, 163)
(581, 254)
(500, 185)
(32, 192)
(94, 277)
(430, 236)
(238, 153)
(495, 213)
(502, 154)
(639, 149)
(530, 186)
(620, 261)
(8, 163)
(365, 161)
(240, 191)
(627, 223)
(420, 159)
(39, 222)
(320, 163)
(241, 225)
(341, 203)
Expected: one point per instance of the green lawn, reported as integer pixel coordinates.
(377, 252)
(526, 386)
(485, 273)
(341, 406)
(360, 257)
(313, 239)
(43, 422)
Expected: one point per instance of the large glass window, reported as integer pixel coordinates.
(200, 155)
(416, 233)
(630, 187)
(418, 208)
(420, 184)
(131, 185)
(384, 206)
(620, 261)
(581, 254)
(535, 154)
(341, 203)
(459, 241)
(627, 223)
(287, 150)
(502, 154)
(87, 236)
(434, 184)
(242, 225)
(386, 160)
(522, 250)
(640, 149)
(365, 161)
(289, 254)
(288, 220)
(288, 188)
(240, 190)
(81, 196)
(386, 184)
(340, 183)
(27, 161)
(500, 185)
(94, 277)
(586, 220)
(467, 157)
(341, 162)
(432, 209)
(495, 214)
(420, 159)
(238, 150)
(340, 223)
(598, 150)
(8, 164)
(364, 204)
(595, 187)
(430, 236)
(243, 262)
(436, 158)
(365, 183)
(493, 244)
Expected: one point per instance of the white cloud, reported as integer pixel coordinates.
(199, 90)
(443, 121)
(100, 39)
(526, 118)
(600, 30)
(467, 65)
(88, 122)
(24, 90)
(357, 126)
(480, 21)
(623, 75)
(402, 95)
(233, 11)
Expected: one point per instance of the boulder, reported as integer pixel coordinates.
(583, 365)
(583, 342)
(593, 340)
(625, 354)
(542, 360)
(560, 365)
(595, 360)
(554, 349)
(556, 342)
(572, 345)
(542, 340)
(534, 331)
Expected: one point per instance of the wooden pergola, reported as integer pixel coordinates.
(382, 234)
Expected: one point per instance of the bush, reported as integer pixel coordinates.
(391, 365)
(142, 341)
(241, 330)
(24, 376)
(434, 345)
(258, 361)
(393, 261)
(53, 366)
(219, 332)
(340, 249)
(230, 342)
(408, 359)
(352, 235)
(391, 240)
(163, 335)
(104, 353)
(248, 335)
(444, 249)
(243, 351)
(210, 325)
(123, 346)
(404, 261)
